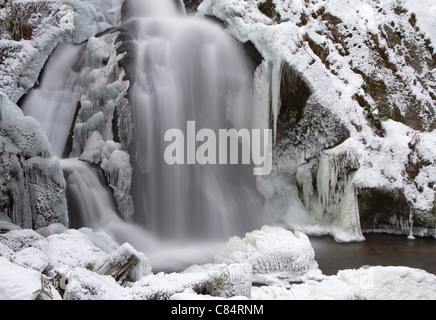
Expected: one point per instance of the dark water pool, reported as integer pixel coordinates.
(377, 250)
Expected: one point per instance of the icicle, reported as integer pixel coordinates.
(305, 183)
(337, 194)
(276, 75)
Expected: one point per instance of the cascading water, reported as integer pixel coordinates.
(54, 102)
(184, 69)
(188, 69)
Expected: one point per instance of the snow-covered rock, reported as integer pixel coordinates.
(32, 192)
(71, 248)
(59, 255)
(86, 285)
(373, 283)
(271, 251)
(34, 28)
(208, 282)
(226, 281)
(17, 240)
(31, 258)
(5, 251)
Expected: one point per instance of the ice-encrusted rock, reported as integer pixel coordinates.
(271, 250)
(123, 264)
(71, 248)
(17, 240)
(31, 258)
(32, 186)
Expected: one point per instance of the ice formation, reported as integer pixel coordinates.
(33, 186)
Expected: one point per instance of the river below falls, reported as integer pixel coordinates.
(377, 250)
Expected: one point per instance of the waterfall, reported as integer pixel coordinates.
(184, 69)
(188, 69)
(53, 103)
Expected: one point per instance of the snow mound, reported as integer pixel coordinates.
(17, 240)
(271, 250)
(86, 285)
(18, 283)
(31, 258)
(226, 281)
(372, 283)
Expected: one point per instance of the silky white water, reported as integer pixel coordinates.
(54, 102)
(188, 69)
(185, 69)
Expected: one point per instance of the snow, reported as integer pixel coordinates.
(271, 250)
(373, 283)
(70, 261)
(31, 258)
(71, 255)
(18, 240)
(425, 11)
(18, 283)
(72, 20)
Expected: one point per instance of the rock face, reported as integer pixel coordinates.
(357, 81)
